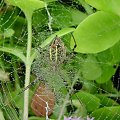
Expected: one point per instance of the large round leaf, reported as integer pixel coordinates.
(106, 5)
(97, 33)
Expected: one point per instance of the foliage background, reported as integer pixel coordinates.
(88, 79)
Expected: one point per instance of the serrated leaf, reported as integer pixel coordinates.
(97, 33)
(106, 5)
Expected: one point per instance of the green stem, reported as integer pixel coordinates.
(28, 67)
(86, 6)
(17, 86)
(111, 95)
(67, 97)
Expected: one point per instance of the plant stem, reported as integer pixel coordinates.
(28, 67)
(111, 95)
(17, 86)
(86, 6)
(68, 95)
(49, 18)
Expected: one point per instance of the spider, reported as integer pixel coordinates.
(57, 51)
(57, 54)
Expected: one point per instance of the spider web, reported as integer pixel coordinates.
(53, 81)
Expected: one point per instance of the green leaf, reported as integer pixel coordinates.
(60, 21)
(106, 5)
(15, 51)
(1, 115)
(36, 118)
(70, 16)
(86, 6)
(90, 101)
(4, 76)
(81, 110)
(107, 113)
(89, 86)
(8, 33)
(19, 24)
(108, 87)
(49, 0)
(105, 101)
(107, 60)
(10, 113)
(91, 69)
(40, 17)
(33, 55)
(105, 57)
(7, 19)
(77, 16)
(116, 55)
(97, 33)
(107, 72)
(59, 34)
(28, 6)
(18, 97)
